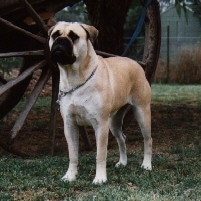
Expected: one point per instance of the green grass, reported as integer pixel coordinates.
(176, 94)
(43, 103)
(178, 178)
(176, 174)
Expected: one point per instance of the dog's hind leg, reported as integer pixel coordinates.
(143, 117)
(116, 122)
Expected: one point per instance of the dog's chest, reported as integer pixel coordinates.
(82, 109)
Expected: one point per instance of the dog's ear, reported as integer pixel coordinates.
(92, 32)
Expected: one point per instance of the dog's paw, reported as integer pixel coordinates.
(99, 180)
(146, 165)
(121, 163)
(69, 176)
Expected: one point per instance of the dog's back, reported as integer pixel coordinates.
(128, 78)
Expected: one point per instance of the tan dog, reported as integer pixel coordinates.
(94, 91)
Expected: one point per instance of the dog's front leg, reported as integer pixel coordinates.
(72, 136)
(101, 143)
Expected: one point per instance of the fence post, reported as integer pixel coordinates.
(168, 54)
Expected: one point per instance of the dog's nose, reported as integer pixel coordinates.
(63, 43)
(62, 51)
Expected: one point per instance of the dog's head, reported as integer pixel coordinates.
(68, 42)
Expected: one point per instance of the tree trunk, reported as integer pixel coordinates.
(108, 16)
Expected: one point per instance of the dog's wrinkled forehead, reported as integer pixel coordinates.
(65, 28)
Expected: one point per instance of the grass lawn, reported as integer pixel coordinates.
(176, 94)
(176, 174)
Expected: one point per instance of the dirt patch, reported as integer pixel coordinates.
(172, 126)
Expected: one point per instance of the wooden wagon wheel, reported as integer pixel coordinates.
(36, 56)
(39, 58)
(33, 59)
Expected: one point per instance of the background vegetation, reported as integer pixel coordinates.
(7, 64)
(187, 69)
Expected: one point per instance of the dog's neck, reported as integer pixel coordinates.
(76, 74)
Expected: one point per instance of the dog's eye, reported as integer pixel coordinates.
(73, 36)
(56, 34)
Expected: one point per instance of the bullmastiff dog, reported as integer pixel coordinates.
(94, 91)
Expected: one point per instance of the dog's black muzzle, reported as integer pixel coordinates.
(62, 51)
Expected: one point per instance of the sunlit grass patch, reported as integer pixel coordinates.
(176, 94)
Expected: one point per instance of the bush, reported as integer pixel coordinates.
(8, 64)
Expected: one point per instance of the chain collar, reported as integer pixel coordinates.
(64, 93)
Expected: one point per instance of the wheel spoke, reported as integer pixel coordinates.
(12, 26)
(54, 105)
(21, 77)
(105, 54)
(22, 54)
(35, 16)
(31, 101)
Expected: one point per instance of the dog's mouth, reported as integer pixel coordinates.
(61, 57)
(62, 52)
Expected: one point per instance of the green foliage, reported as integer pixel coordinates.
(76, 13)
(7, 64)
(180, 5)
(132, 17)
